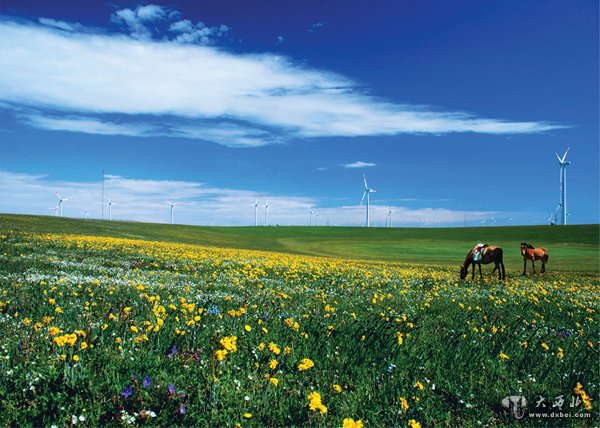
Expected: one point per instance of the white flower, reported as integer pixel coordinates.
(74, 420)
(82, 418)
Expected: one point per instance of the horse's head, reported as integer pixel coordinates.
(463, 272)
(524, 247)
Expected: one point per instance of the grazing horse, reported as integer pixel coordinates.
(529, 252)
(490, 255)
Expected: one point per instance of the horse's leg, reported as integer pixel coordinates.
(473, 272)
(524, 266)
(480, 274)
(533, 264)
(543, 266)
(503, 271)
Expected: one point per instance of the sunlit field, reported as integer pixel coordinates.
(106, 331)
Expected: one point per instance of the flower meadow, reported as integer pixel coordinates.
(119, 332)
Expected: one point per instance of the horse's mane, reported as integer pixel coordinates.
(530, 246)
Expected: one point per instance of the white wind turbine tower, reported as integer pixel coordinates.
(109, 206)
(389, 218)
(60, 202)
(86, 213)
(256, 211)
(172, 204)
(55, 210)
(310, 217)
(368, 191)
(317, 218)
(266, 206)
(562, 206)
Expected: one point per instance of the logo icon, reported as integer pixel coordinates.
(516, 404)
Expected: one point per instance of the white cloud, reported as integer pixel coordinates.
(198, 33)
(315, 27)
(85, 75)
(58, 24)
(358, 164)
(198, 203)
(135, 20)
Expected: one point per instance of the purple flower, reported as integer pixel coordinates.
(134, 378)
(127, 391)
(182, 410)
(146, 382)
(172, 351)
(181, 394)
(171, 389)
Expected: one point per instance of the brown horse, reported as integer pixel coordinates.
(490, 255)
(529, 252)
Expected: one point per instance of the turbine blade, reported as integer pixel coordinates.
(558, 157)
(565, 155)
(363, 198)
(365, 180)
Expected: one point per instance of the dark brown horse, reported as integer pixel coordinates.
(529, 252)
(490, 255)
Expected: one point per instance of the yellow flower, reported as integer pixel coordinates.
(314, 402)
(351, 423)
(305, 364)
(414, 424)
(53, 331)
(134, 329)
(546, 347)
(221, 354)
(248, 415)
(419, 385)
(400, 339)
(229, 343)
(84, 345)
(75, 358)
(104, 327)
(274, 348)
(247, 328)
(503, 355)
(403, 403)
(273, 364)
(274, 381)
(337, 388)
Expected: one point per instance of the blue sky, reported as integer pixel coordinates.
(454, 110)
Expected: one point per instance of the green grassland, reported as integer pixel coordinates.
(571, 248)
(102, 331)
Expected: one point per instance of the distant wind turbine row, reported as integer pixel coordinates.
(560, 209)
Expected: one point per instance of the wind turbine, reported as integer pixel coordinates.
(55, 210)
(389, 218)
(172, 213)
(60, 202)
(85, 213)
(310, 217)
(266, 213)
(256, 211)
(562, 206)
(317, 218)
(368, 191)
(109, 206)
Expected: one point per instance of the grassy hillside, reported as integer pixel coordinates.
(571, 248)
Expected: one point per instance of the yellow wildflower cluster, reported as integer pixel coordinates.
(314, 402)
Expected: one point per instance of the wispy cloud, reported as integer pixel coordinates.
(358, 164)
(315, 27)
(198, 203)
(78, 76)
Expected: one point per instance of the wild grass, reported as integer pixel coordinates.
(110, 331)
